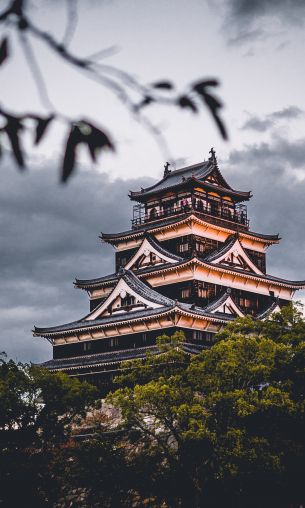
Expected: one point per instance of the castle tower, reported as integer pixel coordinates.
(190, 263)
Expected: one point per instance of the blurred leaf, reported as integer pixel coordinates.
(186, 102)
(145, 102)
(4, 50)
(83, 133)
(212, 103)
(73, 140)
(97, 140)
(12, 129)
(201, 85)
(165, 85)
(41, 127)
(220, 124)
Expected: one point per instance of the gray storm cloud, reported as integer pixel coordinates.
(264, 123)
(49, 235)
(249, 19)
(278, 204)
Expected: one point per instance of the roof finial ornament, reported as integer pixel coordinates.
(166, 170)
(121, 271)
(213, 157)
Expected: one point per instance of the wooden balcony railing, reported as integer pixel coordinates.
(238, 216)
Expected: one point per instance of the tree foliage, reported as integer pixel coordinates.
(230, 428)
(223, 428)
(37, 411)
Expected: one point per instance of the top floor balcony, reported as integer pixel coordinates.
(217, 212)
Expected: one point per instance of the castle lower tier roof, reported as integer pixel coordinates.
(107, 358)
(166, 223)
(197, 173)
(129, 317)
(110, 358)
(105, 321)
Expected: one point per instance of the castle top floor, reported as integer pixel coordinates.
(200, 187)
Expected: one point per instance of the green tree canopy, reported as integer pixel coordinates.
(37, 410)
(229, 426)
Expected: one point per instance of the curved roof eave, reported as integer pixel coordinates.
(130, 233)
(243, 195)
(297, 284)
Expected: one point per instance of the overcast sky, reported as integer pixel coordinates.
(49, 233)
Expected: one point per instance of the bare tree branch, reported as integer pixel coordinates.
(134, 95)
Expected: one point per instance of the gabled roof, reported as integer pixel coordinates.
(171, 308)
(168, 222)
(105, 321)
(232, 248)
(271, 309)
(153, 303)
(224, 304)
(294, 284)
(128, 283)
(197, 172)
(151, 245)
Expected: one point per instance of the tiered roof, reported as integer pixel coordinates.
(111, 359)
(196, 173)
(215, 260)
(184, 218)
(130, 305)
(160, 305)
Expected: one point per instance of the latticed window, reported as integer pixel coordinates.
(201, 290)
(198, 335)
(247, 303)
(184, 247)
(205, 290)
(114, 342)
(127, 300)
(209, 337)
(184, 244)
(205, 244)
(186, 292)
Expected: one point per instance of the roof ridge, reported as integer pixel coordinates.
(149, 293)
(171, 174)
(268, 309)
(155, 243)
(82, 323)
(178, 219)
(222, 249)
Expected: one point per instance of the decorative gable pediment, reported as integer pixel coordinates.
(150, 254)
(272, 309)
(129, 295)
(213, 178)
(228, 306)
(235, 257)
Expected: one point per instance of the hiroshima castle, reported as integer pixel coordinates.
(190, 262)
